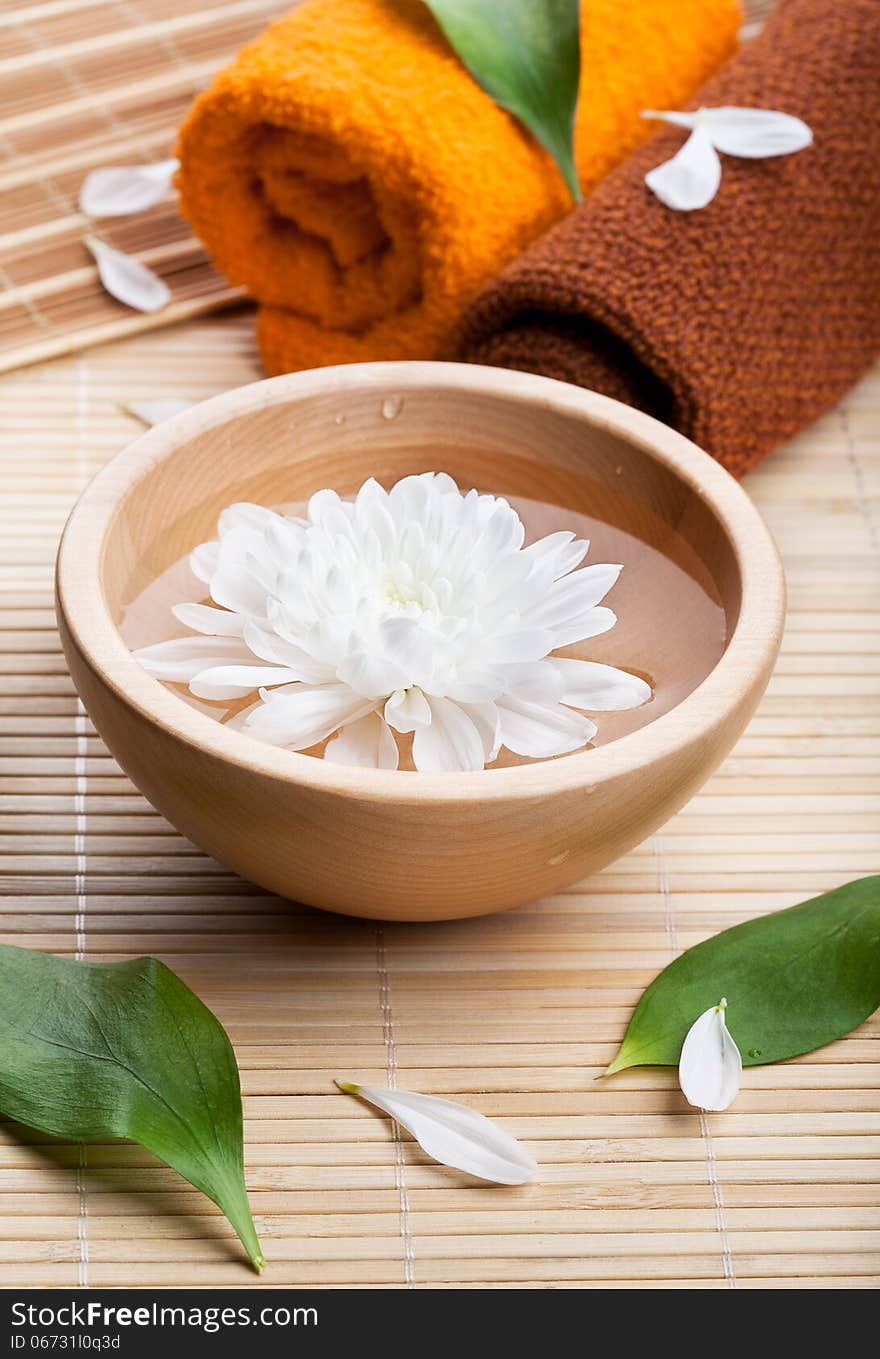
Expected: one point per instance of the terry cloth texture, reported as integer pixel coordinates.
(349, 172)
(743, 321)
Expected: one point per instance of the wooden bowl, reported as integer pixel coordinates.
(404, 845)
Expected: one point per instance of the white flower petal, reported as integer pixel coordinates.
(370, 675)
(126, 279)
(522, 644)
(270, 647)
(555, 556)
(755, 133)
(237, 591)
(305, 714)
(450, 744)
(596, 622)
(710, 1066)
(245, 515)
(178, 660)
(688, 120)
(212, 622)
(155, 412)
(503, 532)
(407, 644)
(367, 743)
(329, 639)
(444, 484)
(690, 179)
(203, 561)
(117, 190)
(564, 610)
(480, 687)
(334, 516)
(407, 709)
(408, 497)
(599, 688)
(238, 721)
(371, 512)
(487, 722)
(541, 730)
(235, 681)
(453, 1134)
(539, 681)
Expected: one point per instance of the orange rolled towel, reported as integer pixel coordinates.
(351, 174)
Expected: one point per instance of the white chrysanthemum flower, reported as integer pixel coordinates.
(411, 610)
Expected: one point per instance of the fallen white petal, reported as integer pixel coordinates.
(155, 412)
(453, 1134)
(367, 743)
(710, 1066)
(117, 190)
(127, 279)
(690, 179)
(599, 688)
(755, 133)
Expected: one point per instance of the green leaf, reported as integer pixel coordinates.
(526, 55)
(794, 981)
(96, 1050)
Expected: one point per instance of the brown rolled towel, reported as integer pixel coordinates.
(741, 322)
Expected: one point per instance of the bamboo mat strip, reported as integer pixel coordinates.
(516, 1013)
(85, 83)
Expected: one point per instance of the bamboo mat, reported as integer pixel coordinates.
(85, 83)
(516, 1013)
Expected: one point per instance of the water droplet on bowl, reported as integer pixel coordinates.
(391, 407)
(754, 1052)
(339, 419)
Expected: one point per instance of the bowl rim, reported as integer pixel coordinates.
(747, 658)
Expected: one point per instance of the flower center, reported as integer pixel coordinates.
(408, 599)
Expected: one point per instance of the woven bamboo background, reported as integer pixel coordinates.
(516, 1013)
